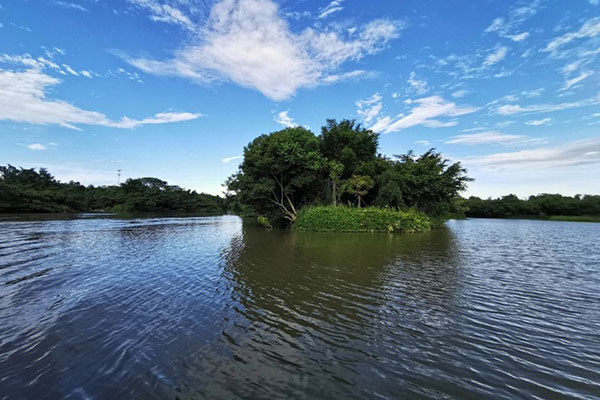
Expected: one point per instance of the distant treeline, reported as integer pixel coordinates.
(543, 205)
(37, 191)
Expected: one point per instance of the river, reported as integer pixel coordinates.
(217, 308)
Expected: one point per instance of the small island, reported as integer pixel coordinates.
(333, 182)
(338, 181)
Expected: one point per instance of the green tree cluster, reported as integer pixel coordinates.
(292, 168)
(31, 190)
(542, 205)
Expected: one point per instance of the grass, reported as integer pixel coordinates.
(368, 219)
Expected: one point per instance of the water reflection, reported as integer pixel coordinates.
(320, 315)
(212, 308)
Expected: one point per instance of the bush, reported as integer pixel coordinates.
(264, 221)
(369, 219)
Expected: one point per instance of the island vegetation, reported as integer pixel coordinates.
(542, 206)
(37, 191)
(334, 181)
(337, 181)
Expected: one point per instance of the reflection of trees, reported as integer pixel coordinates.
(298, 280)
(315, 314)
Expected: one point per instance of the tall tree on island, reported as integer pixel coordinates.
(280, 172)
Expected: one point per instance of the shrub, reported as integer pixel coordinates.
(264, 221)
(369, 219)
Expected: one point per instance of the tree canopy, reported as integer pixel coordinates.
(541, 205)
(288, 169)
(31, 190)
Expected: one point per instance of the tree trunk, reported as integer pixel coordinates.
(333, 192)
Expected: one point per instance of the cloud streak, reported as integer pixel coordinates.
(492, 137)
(425, 113)
(581, 152)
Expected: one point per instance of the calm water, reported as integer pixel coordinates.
(194, 308)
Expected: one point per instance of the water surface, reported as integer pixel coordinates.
(214, 308)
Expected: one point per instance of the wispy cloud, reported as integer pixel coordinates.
(589, 29)
(574, 81)
(369, 108)
(580, 152)
(24, 100)
(425, 113)
(419, 86)
(510, 109)
(518, 37)
(248, 43)
(492, 137)
(36, 146)
(496, 56)
(284, 119)
(167, 13)
(503, 26)
(227, 160)
(459, 94)
(539, 122)
(73, 6)
(333, 7)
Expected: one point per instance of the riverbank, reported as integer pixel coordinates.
(367, 219)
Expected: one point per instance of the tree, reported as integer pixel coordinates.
(358, 186)
(349, 144)
(280, 173)
(335, 172)
(429, 182)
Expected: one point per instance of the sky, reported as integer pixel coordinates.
(175, 89)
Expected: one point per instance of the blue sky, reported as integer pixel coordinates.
(175, 88)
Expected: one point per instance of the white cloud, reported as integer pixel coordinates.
(227, 160)
(495, 57)
(423, 142)
(459, 93)
(36, 146)
(346, 76)
(285, 120)
(580, 152)
(492, 137)
(165, 13)
(590, 29)
(539, 122)
(497, 25)
(533, 93)
(510, 109)
(23, 99)
(73, 6)
(425, 113)
(333, 7)
(574, 81)
(516, 16)
(248, 43)
(518, 37)
(419, 86)
(369, 108)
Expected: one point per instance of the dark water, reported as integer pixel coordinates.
(194, 308)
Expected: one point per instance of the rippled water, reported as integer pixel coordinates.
(213, 308)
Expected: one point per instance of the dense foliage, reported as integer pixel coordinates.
(31, 190)
(542, 205)
(368, 219)
(292, 168)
